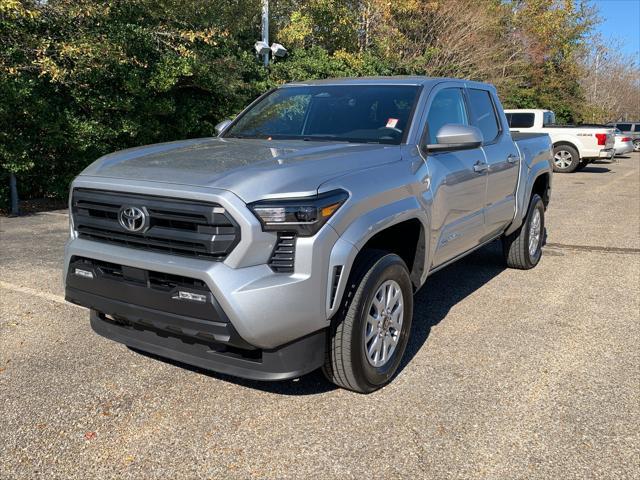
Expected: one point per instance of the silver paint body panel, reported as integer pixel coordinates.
(458, 209)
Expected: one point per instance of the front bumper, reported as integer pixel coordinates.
(266, 309)
(143, 309)
(289, 361)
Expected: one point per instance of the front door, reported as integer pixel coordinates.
(458, 183)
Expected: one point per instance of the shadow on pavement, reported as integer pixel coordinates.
(592, 169)
(432, 303)
(444, 289)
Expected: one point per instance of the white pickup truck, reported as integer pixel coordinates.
(573, 146)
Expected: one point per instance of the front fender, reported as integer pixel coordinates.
(359, 232)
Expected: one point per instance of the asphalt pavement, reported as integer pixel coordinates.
(509, 374)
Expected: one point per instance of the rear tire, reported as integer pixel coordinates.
(523, 248)
(636, 145)
(365, 325)
(565, 159)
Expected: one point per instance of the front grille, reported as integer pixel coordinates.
(283, 256)
(150, 279)
(175, 226)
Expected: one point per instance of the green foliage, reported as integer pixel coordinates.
(80, 78)
(554, 34)
(316, 62)
(332, 24)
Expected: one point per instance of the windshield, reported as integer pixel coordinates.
(349, 113)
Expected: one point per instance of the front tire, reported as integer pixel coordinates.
(565, 159)
(369, 334)
(523, 248)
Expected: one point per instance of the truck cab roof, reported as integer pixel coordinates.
(394, 80)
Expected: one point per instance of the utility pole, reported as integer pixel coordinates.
(265, 30)
(262, 47)
(15, 201)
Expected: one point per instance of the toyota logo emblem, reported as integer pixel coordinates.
(133, 219)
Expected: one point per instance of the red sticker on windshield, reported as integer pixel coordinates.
(392, 122)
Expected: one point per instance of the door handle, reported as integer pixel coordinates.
(512, 158)
(480, 167)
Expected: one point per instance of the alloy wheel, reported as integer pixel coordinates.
(384, 323)
(534, 233)
(563, 159)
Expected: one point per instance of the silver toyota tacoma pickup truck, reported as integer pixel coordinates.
(296, 238)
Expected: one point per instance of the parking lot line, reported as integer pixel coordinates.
(37, 293)
(592, 248)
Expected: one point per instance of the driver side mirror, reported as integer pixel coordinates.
(453, 136)
(222, 126)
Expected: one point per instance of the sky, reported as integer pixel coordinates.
(621, 20)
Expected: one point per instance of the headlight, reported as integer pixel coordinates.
(304, 216)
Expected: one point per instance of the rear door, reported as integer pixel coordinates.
(501, 157)
(458, 181)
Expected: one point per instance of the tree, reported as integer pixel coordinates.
(80, 78)
(611, 82)
(552, 34)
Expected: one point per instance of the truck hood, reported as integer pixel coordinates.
(252, 169)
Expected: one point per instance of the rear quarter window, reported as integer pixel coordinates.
(520, 120)
(548, 118)
(624, 127)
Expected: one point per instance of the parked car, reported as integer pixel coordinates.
(623, 144)
(573, 146)
(297, 238)
(631, 129)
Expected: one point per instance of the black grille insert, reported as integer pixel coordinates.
(283, 256)
(180, 227)
(150, 278)
(337, 272)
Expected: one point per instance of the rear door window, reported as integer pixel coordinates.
(625, 127)
(484, 114)
(520, 120)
